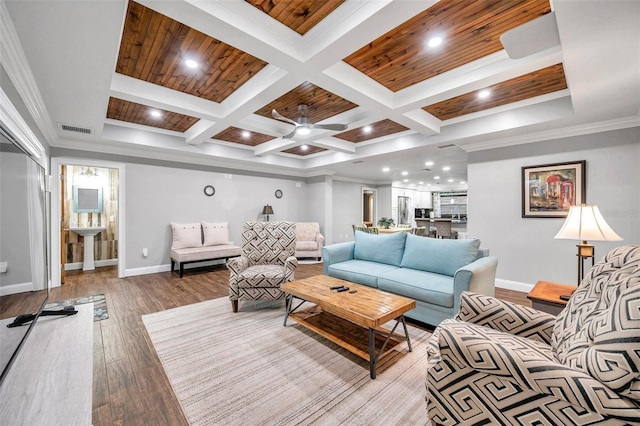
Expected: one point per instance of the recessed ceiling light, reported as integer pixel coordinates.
(436, 177)
(405, 180)
(385, 169)
(155, 113)
(304, 147)
(428, 184)
(484, 94)
(462, 182)
(405, 173)
(446, 168)
(449, 180)
(429, 163)
(420, 183)
(191, 63)
(366, 129)
(435, 41)
(303, 131)
(245, 134)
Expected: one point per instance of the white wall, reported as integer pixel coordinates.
(156, 196)
(525, 247)
(347, 209)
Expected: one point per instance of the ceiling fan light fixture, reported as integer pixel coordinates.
(303, 131)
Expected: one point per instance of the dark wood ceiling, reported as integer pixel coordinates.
(132, 112)
(537, 83)
(321, 103)
(154, 47)
(300, 16)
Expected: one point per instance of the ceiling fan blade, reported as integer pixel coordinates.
(290, 135)
(331, 126)
(280, 117)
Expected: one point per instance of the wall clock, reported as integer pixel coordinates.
(278, 193)
(209, 190)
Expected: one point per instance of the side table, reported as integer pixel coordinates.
(545, 296)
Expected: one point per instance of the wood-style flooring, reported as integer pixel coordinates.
(129, 384)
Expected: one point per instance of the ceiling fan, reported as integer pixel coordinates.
(303, 125)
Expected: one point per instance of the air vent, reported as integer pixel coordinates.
(357, 162)
(451, 145)
(76, 129)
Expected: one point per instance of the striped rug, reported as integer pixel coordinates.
(247, 369)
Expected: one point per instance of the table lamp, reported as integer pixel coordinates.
(267, 210)
(586, 223)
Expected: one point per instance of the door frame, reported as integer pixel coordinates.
(56, 165)
(374, 214)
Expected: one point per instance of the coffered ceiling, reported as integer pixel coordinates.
(197, 81)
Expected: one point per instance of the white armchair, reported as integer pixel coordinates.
(309, 240)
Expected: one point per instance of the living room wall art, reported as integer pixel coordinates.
(548, 190)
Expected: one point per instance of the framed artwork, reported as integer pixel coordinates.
(549, 190)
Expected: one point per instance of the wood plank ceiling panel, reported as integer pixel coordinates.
(299, 15)
(537, 83)
(132, 112)
(236, 135)
(470, 30)
(154, 48)
(299, 150)
(378, 129)
(322, 103)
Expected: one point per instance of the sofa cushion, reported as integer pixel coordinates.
(428, 287)
(380, 248)
(186, 235)
(215, 233)
(360, 271)
(441, 256)
(307, 231)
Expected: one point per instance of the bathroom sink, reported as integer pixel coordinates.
(88, 263)
(87, 231)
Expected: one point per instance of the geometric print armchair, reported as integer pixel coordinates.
(502, 363)
(267, 260)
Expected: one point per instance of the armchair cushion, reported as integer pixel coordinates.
(186, 235)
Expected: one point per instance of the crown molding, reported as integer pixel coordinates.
(15, 63)
(565, 132)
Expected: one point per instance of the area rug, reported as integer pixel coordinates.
(99, 305)
(247, 368)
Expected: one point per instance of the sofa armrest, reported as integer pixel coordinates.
(483, 275)
(527, 364)
(506, 317)
(336, 253)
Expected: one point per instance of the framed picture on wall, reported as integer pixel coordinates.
(548, 190)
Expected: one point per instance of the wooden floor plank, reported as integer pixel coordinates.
(130, 386)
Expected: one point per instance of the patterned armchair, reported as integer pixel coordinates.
(501, 363)
(267, 260)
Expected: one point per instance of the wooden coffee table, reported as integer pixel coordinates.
(353, 321)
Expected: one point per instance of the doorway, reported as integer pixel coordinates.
(369, 206)
(87, 196)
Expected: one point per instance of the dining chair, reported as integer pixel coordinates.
(419, 231)
(443, 229)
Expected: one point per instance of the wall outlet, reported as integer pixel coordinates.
(145, 252)
(3, 267)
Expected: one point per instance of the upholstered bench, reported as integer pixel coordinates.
(189, 246)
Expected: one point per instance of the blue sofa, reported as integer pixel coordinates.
(433, 272)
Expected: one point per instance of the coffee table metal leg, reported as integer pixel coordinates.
(288, 301)
(372, 353)
(406, 333)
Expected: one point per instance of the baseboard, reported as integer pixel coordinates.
(514, 285)
(146, 270)
(16, 288)
(98, 263)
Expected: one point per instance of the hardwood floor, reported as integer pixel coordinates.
(129, 384)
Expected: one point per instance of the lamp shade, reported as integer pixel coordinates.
(267, 209)
(586, 223)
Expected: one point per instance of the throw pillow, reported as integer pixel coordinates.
(215, 234)
(186, 235)
(440, 256)
(380, 248)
